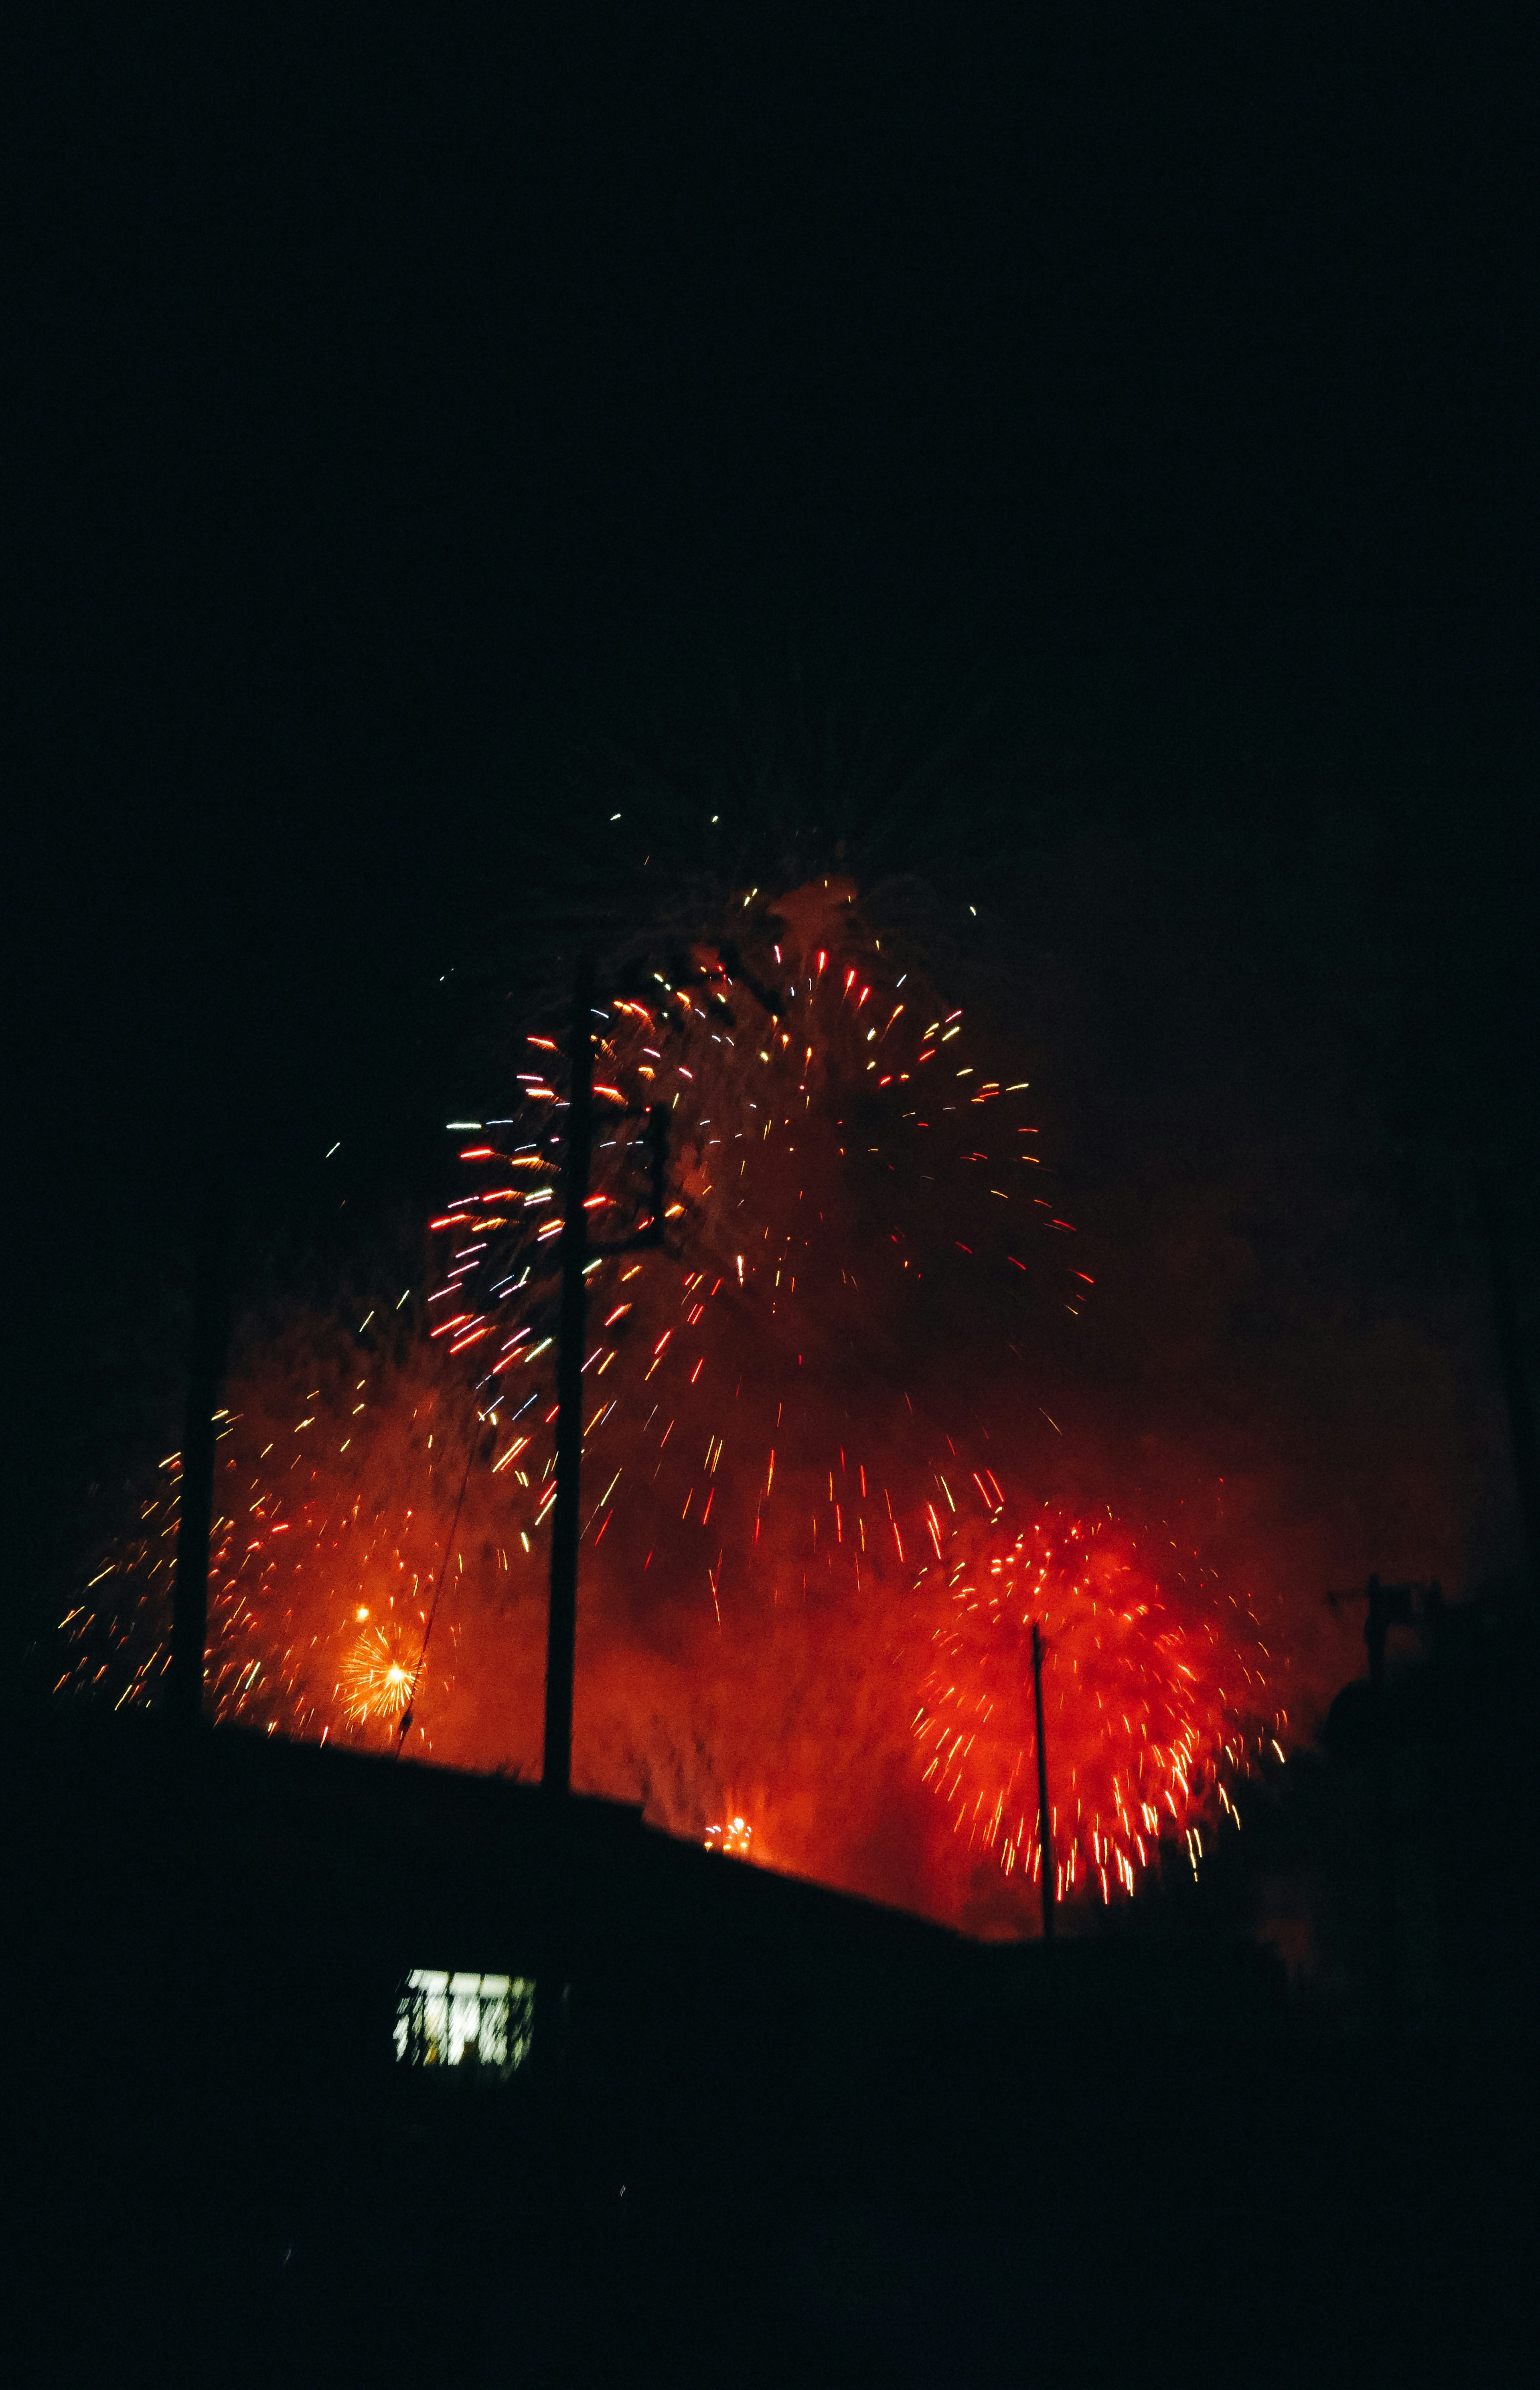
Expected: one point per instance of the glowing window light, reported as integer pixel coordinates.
(481, 2021)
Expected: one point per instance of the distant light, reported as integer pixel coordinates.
(462, 1124)
(974, 910)
(335, 1149)
(716, 818)
(614, 817)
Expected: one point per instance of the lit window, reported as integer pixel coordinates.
(476, 2020)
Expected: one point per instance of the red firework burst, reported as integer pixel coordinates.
(1148, 1699)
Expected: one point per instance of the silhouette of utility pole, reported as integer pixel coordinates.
(577, 1253)
(1385, 1602)
(210, 1327)
(1388, 1605)
(1044, 1818)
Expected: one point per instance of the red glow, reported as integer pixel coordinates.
(853, 1669)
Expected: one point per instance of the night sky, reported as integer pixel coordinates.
(1075, 463)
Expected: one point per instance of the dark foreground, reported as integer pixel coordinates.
(779, 2139)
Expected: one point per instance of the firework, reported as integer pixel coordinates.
(819, 1425)
(1147, 1701)
(375, 1678)
(734, 1835)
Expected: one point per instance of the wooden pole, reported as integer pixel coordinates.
(558, 1771)
(210, 1327)
(1045, 1816)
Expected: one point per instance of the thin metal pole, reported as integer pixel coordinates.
(1044, 1818)
(557, 1769)
(205, 1372)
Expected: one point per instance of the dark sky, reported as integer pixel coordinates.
(394, 400)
